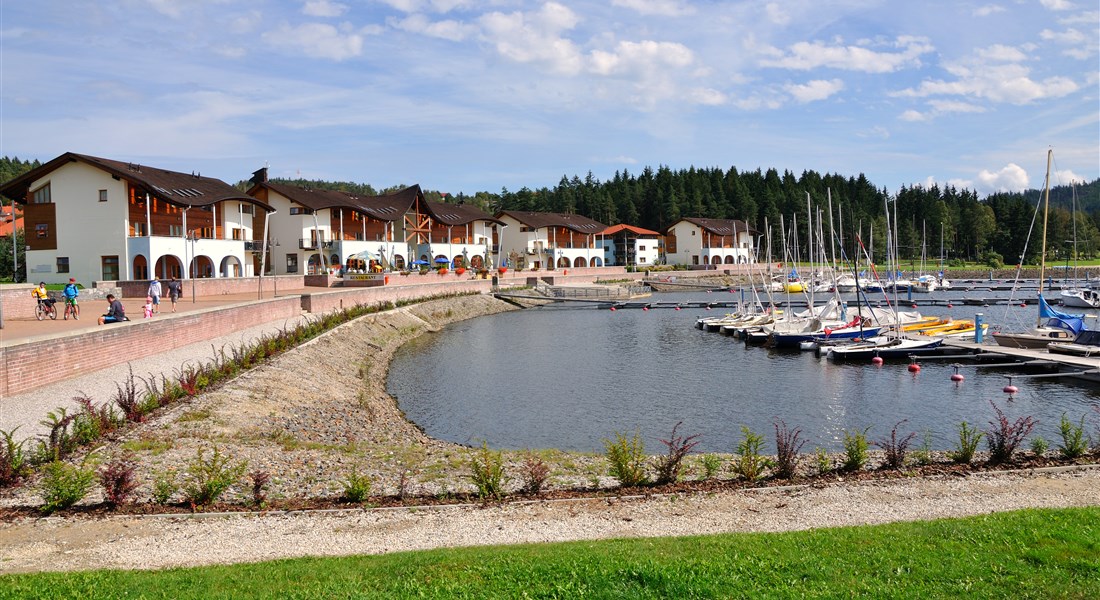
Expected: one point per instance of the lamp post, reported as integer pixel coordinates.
(274, 267)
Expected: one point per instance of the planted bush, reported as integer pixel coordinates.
(13, 461)
(118, 481)
(164, 487)
(259, 480)
(855, 450)
(356, 487)
(750, 462)
(1074, 441)
(627, 459)
(535, 473)
(487, 472)
(711, 465)
(1039, 446)
(969, 438)
(822, 461)
(668, 466)
(63, 485)
(1004, 437)
(207, 478)
(788, 443)
(896, 447)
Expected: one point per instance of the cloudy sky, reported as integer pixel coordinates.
(466, 96)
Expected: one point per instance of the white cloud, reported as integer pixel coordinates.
(1011, 178)
(1057, 4)
(1069, 36)
(665, 8)
(954, 106)
(317, 40)
(640, 57)
(437, 6)
(776, 14)
(707, 96)
(1004, 83)
(988, 9)
(913, 116)
(812, 55)
(1003, 53)
(812, 91)
(535, 37)
(447, 29)
(324, 8)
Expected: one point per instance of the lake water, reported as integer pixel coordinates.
(567, 378)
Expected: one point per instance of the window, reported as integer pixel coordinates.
(298, 210)
(41, 195)
(246, 208)
(236, 233)
(641, 248)
(62, 264)
(41, 230)
(109, 266)
(692, 232)
(641, 259)
(175, 230)
(139, 229)
(102, 195)
(291, 263)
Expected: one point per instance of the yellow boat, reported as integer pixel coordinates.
(926, 323)
(952, 328)
(794, 287)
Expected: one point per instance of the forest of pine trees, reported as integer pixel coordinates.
(972, 228)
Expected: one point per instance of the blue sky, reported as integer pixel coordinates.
(466, 96)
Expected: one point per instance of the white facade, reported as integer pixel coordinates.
(696, 245)
(548, 247)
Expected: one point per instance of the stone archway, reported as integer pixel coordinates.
(140, 267)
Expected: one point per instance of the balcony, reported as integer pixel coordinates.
(253, 246)
(309, 244)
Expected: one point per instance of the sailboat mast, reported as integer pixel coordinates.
(1046, 209)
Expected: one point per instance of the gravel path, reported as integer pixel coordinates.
(54, 544)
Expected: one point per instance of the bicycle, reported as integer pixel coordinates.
(72, 308)
(44, 309)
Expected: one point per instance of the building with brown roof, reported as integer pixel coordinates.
(96, 219)
(549, 240)
(327, 229)
(630, 246)
(696, 241)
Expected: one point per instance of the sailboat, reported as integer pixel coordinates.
(1057, 326)
(1078, 296)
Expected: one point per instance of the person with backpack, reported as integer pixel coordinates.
(70, 293)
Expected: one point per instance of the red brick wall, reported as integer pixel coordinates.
(16, 300)
(328, 301)
(215, 286)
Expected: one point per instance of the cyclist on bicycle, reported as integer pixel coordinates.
(70, 292)
(42, 296)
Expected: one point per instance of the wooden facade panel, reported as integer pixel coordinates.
(40, 223)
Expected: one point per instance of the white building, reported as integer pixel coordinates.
(95, 219)
(549, 240)
(630, 246)
(694, 241)
(325, 229)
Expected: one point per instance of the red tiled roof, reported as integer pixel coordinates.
(631, 228)
(180, 189)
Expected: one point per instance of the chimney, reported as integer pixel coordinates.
(259, 176)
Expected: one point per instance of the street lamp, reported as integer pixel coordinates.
(274, 267)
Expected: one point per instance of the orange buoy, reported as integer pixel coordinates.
(949, 305)
(645, 308)
(1011, 389)
(612, 309)
(956, 376)
(677, 308)
(914, 368)
(914, 305)
(877, 361)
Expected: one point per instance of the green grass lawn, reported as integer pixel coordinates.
(1025, 554)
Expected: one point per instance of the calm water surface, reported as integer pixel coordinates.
(569, 377)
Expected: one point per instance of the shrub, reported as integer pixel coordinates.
(13, 461)
(487, 472)
(855, 450)
(58, 442)
(356, 487)
(822, 460)
(711, 465)
(627, 459)
(535, 473)
(896, 448)
(259, 480)
(1004, 437)
(118, 482)
(63, 485)
(969, 437)
(1039, 446)
(750, 463)
(206, 479)
(164, 487)
(668, 466)
(923, 454)
(788, 443)
(92, 423)
(126, 397)
(1074, 442)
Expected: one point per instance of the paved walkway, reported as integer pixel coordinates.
(17, 330)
